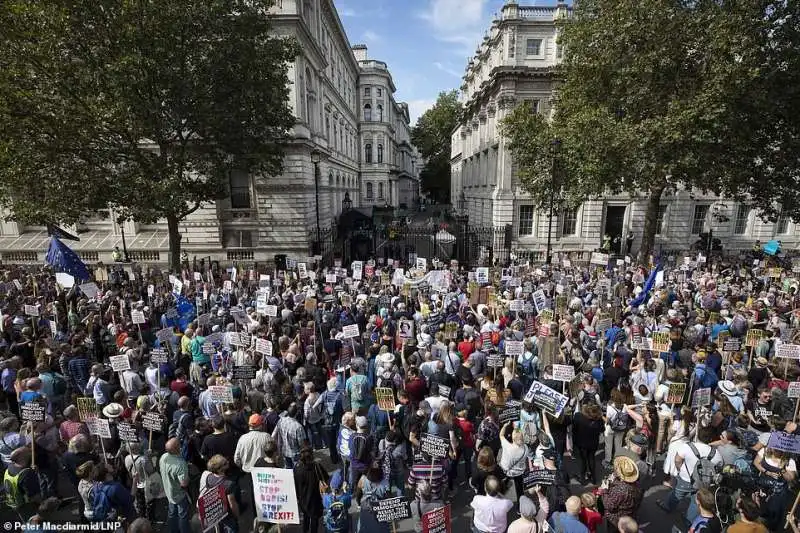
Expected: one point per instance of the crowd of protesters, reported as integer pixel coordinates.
(676, 376)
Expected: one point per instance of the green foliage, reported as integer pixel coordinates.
(657, 93)
(431, 136)
(144, 105)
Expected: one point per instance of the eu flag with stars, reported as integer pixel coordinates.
(63, 259)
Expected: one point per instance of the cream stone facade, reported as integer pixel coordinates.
(269, 215)
(514, 64)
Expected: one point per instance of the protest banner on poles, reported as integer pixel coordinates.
(275, 495)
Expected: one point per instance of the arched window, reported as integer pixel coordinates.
(367, 112)
(380, 191)
(380, 153)
(380, 113)
(368, 153)
(369, 191)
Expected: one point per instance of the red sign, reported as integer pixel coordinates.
(437, 521)
(212, 507)
(369, 270)
(544, 330)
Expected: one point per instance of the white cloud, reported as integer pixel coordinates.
(371, 37)
(417, 107)
(347, 12)
(458, 22)
(446, 69)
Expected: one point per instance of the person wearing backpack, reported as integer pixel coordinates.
(182, 425)
(362, 446)
(357, 390)
(698, 466)
(618, 422)
(336, 504)
(139, 467)
(333, 409)
(704, 376)
(110, 499)
(21, 484)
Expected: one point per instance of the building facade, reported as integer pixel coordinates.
(514, 64)
(326, 162)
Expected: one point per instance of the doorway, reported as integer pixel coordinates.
(615, 223)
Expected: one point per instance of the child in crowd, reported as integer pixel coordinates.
(590, 516)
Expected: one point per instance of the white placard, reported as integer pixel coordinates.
(99, 427)
(539, 300)
(350, 331)
(275, 495)
(517, 305)
(137, 317)
(151, 290)
(264, 346)
(227, 285)
(31, 310)
(198, 277)
(482, 275)
(421, 264)
(330, 278)
(221, 393)
(563, 372)
(177, 286)
(358, 270)
(91, 290)
(514, 348)
(789, 351)
(302, 270)
(65, 280)
(794, 389)
(119, 363)
(271, 310)
(599, 259)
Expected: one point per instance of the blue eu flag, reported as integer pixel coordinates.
(63, 259)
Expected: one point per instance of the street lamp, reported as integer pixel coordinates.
(347, 203)
(555, 146)
(316, 157)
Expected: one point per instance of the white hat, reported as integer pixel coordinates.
(727, 388)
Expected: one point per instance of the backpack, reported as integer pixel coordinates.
(620, 421)
(14, 496)
(357, 392)
(360, 450)
(705, 472)
(59, 385)
(101, 504)
(330, 409)
(175, 426)
(527, 365)
(335, 516)
(708, 380)
(587, 399)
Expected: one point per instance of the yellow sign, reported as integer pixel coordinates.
(87, 409)
(546, 316)
(661, 342)
(753, 337)
(384, 396)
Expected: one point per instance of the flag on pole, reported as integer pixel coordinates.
(63, 259)
(651, 280)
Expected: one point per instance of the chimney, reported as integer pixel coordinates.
(360, 51)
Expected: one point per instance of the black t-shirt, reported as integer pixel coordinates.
(762, 414)
(223, 444)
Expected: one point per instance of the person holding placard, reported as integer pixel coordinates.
(216, 475)
(371, 487)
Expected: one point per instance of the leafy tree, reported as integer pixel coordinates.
(144, 105)
(651, 98)
(431, 136)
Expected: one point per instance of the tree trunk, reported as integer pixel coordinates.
(650, 219)
(174, 243)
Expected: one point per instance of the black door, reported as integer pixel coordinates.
(615, 221)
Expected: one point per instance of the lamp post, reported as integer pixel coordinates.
(125, 258)
(554, 148)
(316, 157)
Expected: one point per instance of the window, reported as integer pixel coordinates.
(534, 105)
(512, 45)
(237, 239)
(782, 225)
(569, 221)
(533, 47)
(379, 92)
(662, 210)
(335, 135)
(380, 113)
(367, 112)
(368, 153)
(380, 153)
(369, 191)
(525, 220)
(699, 219)
(380, 191)
(328, 126)
(740, 224)
(240, 190)
(366, 92)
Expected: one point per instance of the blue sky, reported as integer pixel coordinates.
(426, 43)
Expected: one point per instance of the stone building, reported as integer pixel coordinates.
(514, 64)
(327, 161)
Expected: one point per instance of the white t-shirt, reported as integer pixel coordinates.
(690, 459)
(790, 466)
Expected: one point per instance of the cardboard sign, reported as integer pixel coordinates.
(243, 372)
(433, 446)
(384, 396)
(437, 521)
(538, 476)
(137, 317)
(275, 495)
(221, 394)
(212, 507)
(405, 329)
(302, 270)
(788, 351)
(753, 337)
(495, 360)
(358, 270)
(676, 393)
(732, 345)
(701, 397)
(563, 372)
(350, 331)
(784, 442)
(330, 278)
(159, 356)
(87, 408)
(99, 427)
(511, 412)
(546, 316)
(660, 341)
(264, 346)
(153, 422)
(391, 510)
(242, 339)
(794, 390)
(31, 310)
(127, 433)
(119, 363)
(543, 397)
(514, 348)
(33, 410)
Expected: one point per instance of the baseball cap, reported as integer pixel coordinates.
(255, 420)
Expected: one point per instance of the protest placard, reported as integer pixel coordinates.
(240, 339)
(127, 433)
(91, 290)
(543, 397)
(482, 275)
(330, 278)
(212, 507)
(539, 300)
(538, 476)
(119, 363)
(264, 346)
(444, 391)
(158, 355)
(243, 372)
(495, 360)
(701, 397)
(732, 345)
(33, 410)
(753, 337)
(517, 305)
(31, 310)
(165, 335)
(391, 509)
(153, 422)
(350, 331)
(660, 341)
(99, 427)
(546, 316)
(208, 348)
(784, 442)
(240, 316)
(434, 446)
(221, 394)
(302, 270)
(87, 408)
(275, 495)
(676, 393)
(405, 329)
(563, 372)
(788, 351)
(437, 521)
(384, 396)
(271, 310)
(510, 412)
(514, 348)
(603, 325)
(794, 390)
(137, 317)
